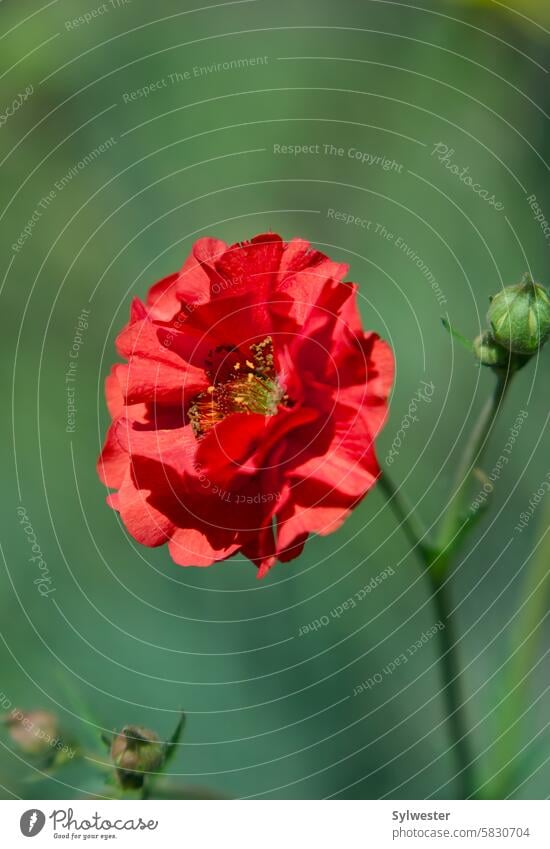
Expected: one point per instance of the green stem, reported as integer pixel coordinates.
(449, 661)
(450, 666)
(404, 514)
(453, 520)
(436, 562)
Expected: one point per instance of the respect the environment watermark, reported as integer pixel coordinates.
(196, 72)
(50, 197)
(379, 229)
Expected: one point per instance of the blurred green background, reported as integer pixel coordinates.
(127, 636)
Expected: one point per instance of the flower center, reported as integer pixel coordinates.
(237, 386)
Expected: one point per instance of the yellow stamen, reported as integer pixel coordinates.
(260, 393)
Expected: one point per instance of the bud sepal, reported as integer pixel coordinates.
(519, 317)
(139, 756)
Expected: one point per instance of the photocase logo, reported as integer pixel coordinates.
(32, 822)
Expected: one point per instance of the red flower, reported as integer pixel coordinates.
(246, 414)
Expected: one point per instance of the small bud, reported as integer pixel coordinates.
(136, 751)
(35, 733)
(489, 352)
(520, 317)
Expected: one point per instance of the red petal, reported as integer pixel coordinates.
(198, 272)
(162, 299)
(252, 266)
(191, 547)
(113, 394)
(113, 462)
(153, 382)
(156, 373)
(225, 448)
(172, 451)
(295, 522)
(349, 467)
(145, 523)
(140, 339)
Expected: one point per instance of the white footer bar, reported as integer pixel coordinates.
(277, 824)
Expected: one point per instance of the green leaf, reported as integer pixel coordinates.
(466, 343)
(172, 745)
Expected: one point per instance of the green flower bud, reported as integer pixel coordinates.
(136, 751)
(520, 317)
(489, 352)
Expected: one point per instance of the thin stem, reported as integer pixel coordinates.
(449, 661)
(406, 518)
(472, 455)
(448, 544)
(452, 690)
(436, 562)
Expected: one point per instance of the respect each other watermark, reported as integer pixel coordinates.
(348, 604)
(399, 660)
